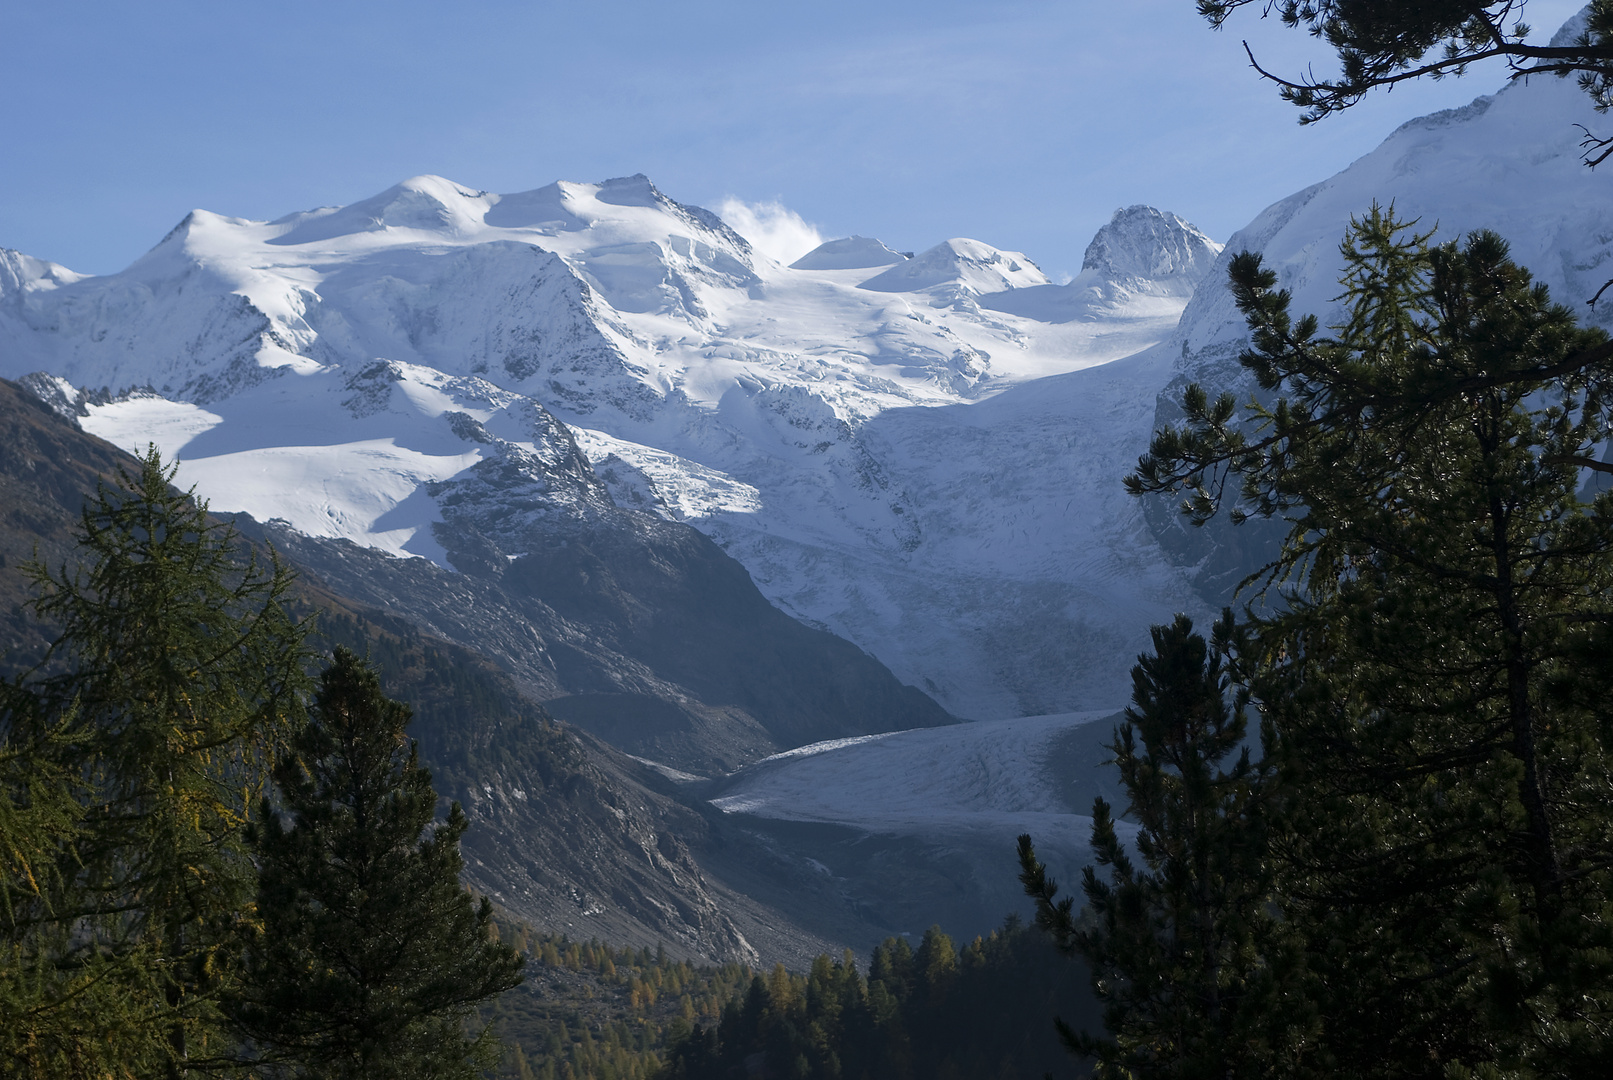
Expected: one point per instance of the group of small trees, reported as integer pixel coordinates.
(199, 873)
(936, 1012)
(1417, 879)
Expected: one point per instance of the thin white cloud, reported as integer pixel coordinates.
(772, 228)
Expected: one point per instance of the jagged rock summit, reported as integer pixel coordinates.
(1142, 262)
(1149, 249)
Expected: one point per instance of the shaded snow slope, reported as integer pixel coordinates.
(955, 797)
(1030, 573)
(861, 437)
(1509, 162)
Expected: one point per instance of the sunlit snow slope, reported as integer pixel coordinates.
(1510, 162)
(918, 454)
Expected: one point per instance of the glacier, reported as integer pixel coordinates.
(917, 453)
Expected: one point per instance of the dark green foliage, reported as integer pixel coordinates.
(371, 956)
(934, 1012)
(1434, 679)
(1381, 44)
(1172, 945)
(131, 759)
(469, 722)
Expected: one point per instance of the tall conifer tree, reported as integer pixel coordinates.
(1171, 944)
(1446, 838)
(371, 956)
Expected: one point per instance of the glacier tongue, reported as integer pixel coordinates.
(891, 449)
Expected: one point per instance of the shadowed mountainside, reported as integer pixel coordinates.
(569, 834)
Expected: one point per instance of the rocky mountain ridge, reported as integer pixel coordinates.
(568, 833)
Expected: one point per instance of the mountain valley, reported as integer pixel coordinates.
(760, 537)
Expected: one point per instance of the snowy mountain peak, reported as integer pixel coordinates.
(1509, 162)
(962, 264)
(1141, 243)
(638, 191)
(1570, 31)
(851, 253)
(635, 190)
(1145, 263)
(420, 203)
(436, 370)
(23, 274)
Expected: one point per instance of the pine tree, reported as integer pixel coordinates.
(1446, 825)
(1172, 944)
(371, 956)
(1380, 44)
(177, 674)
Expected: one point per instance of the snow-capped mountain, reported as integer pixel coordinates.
(1144, 259)
(858, 429)
(1510, 162)
(957, 268)
(919, 453)
(849, 253)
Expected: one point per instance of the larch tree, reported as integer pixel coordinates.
(132, 757)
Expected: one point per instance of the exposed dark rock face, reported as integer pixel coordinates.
(645, 632)
(637, 629)
(47, 466)
(567, 833)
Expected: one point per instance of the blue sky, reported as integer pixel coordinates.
(1023, 123)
